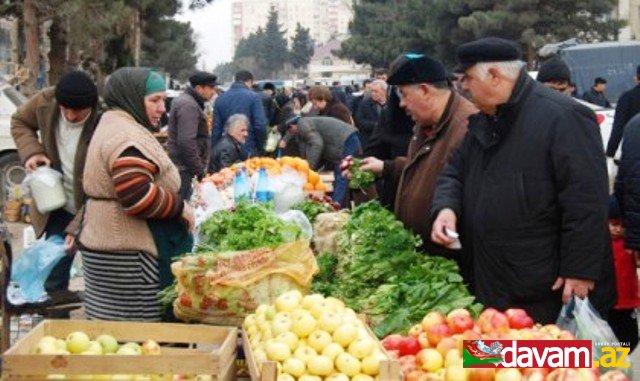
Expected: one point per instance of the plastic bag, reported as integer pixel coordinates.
(297, 217)
(579, 317)
(32, 268)
(273, 138)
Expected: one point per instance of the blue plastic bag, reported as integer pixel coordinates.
(33, 267)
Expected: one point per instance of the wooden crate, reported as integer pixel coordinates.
(211, 351)
(389, 370)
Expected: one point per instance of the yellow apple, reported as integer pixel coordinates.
(150, 347)
(329, 321)
(337, 377)
(135, 346)
(288, 338)
(361, 347)
(362, 377)
(278, 351)
(371, 365)
(332, 351)
(320, 365)
(294, 366)
(308, 377)
(78, 342)
(319, 340)
(456, 373)
(305, 353)
(453, 357)
(260, 356)
(348, 364)
(108, 343)
(288, 301)
(429, 360)
(303, 324)
(310, 300)
(345, 334)
(335, 303)
(319, 308)
(285, 377)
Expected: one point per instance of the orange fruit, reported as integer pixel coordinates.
(303, 166)
(307, 187)
(314, 177)
(320, 186)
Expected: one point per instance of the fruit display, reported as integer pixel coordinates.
(79, 343)
(313, 338)
(378, 271)
(433, 348)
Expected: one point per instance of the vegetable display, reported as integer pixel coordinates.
(378, 271)
(360, 179)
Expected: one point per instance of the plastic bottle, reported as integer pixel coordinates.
(241, 186)
(262, 188)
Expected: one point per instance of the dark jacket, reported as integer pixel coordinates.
(270, 108)
(628, 106)
(596, 98)
(339, 94)
(188, 143)
(33, 128)
(416, 173)
(226, 152)
(241, 100)
(337, 110)
(367, 118)
(321, 139)
(627, 185)
(530, 190)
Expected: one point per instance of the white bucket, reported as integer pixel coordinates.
(46, 189)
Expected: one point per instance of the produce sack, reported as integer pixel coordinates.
(222, 288)
(326, 230)
(33, 267)
(579, 317)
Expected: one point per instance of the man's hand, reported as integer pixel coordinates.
(373, 165)
(345, 167)
(572, 286)
(188, 216)
(70, 245)
(446, 220)
(36, 161)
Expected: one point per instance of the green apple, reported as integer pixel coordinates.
(78, 342)
(61, 344)
(135, 346)
(127, 351)
(108, 343)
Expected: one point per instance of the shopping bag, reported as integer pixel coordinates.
(33, 267)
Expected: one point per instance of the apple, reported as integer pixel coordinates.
(446, 344)
(510, 374)
(288, 301)
(416, 330)
(260, 356)
(329, 321)
(453, 356)
(319, 340)
(437, 332)
(429, 360)
(108, 343)
(319, 308)
(336, 304)
(392, 342)
(484, 319)
(303, 324)
(566, 335)
(62, 344)
(534, 374)
(308, 377)
(409, 346)
(433, 318)
(78, 342)
(345, 334)
(337, 377)
(281, 324)
(423, 340)
(320, 365)
(361, 347)
(94, 348)
(278, 351)
(482, 374)
(309, 301)
(371, 365)
(348, 364)
(305, 353)
(135, 346)
(459, 320)
(285, 377)
(362, 377)
(614, 375)
(150, 347)
(46, 348)
(294, 366)
(456, 373)
(499, 323)
(518, 318)
(127, 351)
(288, 338)
(407, 363)
(332, 351)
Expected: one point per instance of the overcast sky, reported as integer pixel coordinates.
(212, 27)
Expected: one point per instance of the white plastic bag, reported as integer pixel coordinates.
(299, 219)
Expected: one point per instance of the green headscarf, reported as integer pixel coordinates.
(126, 89)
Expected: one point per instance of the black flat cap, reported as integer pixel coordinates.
(489, 49)
(554, 70)
(202, 78)
(409, 68)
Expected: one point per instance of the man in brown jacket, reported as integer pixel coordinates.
(425, 93)
(64, 116)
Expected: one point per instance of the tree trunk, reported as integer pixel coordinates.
(58, 53)
(137, 37)
(32, 52)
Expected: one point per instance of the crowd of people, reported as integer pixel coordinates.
(513, 166)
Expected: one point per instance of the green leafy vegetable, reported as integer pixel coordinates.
(311, 209)
(360, 179)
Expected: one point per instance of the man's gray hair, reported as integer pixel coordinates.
(379, 83)
(236, 120)
(510, 69)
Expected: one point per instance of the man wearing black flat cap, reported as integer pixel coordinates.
(188, 143)
(440, 117)
(54, 128)
(527, 191)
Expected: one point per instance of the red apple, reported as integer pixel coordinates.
(534, 374)
(392, 342)
(433, 318)
(416, 330)
(518, 318)
(482, 374)
(566, 335)
(407, 363)
(437, 332)
(614, 375)
(446, 344)
(459, 320)
(415, 375)
(409, 346)
(499, 323)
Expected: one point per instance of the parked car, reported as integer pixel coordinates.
(11, 170)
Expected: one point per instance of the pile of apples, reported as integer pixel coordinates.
(79, 343)
(313, 338)
(432, 351)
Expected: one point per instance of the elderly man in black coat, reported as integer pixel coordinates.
(527, 191)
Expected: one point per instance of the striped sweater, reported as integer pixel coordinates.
(134, 175)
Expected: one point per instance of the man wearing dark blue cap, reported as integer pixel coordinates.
(188, 143)
(527, 191)
(441, 117)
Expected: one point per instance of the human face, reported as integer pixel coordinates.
(72, 115)
(382, 76)
(414, 100)
(319, 104)
(562, 87)
(379, 95)
(601, 87)
(154, 105)
(240, 133)
(206, 91)
(480, 90)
